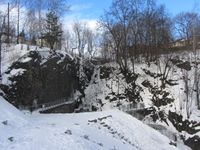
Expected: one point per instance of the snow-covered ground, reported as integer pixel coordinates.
(11, 54)
(109, 130)
(98, 89)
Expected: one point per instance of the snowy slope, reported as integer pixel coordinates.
(11, 120)
(11, 114)
(12, 53)
(85, 131)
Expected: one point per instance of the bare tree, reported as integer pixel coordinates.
(39, 5)
(189, 90)
(117, 21)
(35, 8)
(187, 26)
(136, 27)
(106, 45)
(165, 66)
(32, 26)
(158, 30)
(80, 35)
(184, 23)
(90, 41)
(93, 42)
(68, 41)
(18, 4)
(60, 7)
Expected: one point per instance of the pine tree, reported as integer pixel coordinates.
(53, 31)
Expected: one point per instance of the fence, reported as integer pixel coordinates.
(131, 106)
(44, 105)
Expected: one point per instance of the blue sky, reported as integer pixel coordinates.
(176, 6)
(89, 9)
(92, 9)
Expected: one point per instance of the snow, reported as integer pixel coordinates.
(11, 115)
(98, 89)
(9, 55)
(48, 131)
(15, 72)
(15, 52)
(195, 115)
(85, 131)
(27, 59)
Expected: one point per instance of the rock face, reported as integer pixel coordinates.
(193, 142)
(43, 77)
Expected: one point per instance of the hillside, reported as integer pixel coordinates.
(86, 131)
(158, 102)
(99, 75)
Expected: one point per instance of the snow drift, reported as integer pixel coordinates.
(85, 131)
(10, 114)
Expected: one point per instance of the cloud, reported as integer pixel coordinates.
(80, 7)
(77, 12)
(91, 23)
(68, 21)
(80, 12)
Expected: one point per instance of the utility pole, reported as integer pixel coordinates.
(8, 34)
(2, 26)
(40, 22)
(0, 54)
(18, 11)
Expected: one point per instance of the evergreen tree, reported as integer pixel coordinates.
(53, 31)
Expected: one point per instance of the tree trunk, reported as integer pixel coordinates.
(8, 40)
(1, 33)
(18, 22)
(0, 56)
(197, 94)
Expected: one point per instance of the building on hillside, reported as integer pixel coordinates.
(179, 43)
